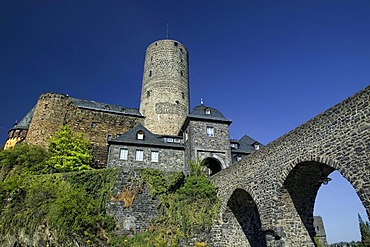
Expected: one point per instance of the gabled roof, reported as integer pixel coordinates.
(150, 139)
(93, 105)
(26, 120)
(246, 145)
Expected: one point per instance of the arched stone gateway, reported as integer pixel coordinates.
(283, 177)
(213, 165)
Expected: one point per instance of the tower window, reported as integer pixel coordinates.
(148, 94)
(181, 50)
(183, 95)
(182, 74)
(123, 153)
(139, 155)
(93, 125)
(210, 131)
(175, 44)
(150, 73)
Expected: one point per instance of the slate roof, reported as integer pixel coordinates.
(200, 112)
(246, 145)
(93, 105)
(24, 124)
(150, 139)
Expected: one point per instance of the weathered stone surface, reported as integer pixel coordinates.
(165, 88)
(55, 110)
(169, 160)
(136, 218)
(283, 177)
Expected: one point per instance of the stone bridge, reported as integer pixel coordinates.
(268, 197)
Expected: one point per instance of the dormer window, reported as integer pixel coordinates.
(207, 111)
(140, 135)
(256, 146)
(234, 145)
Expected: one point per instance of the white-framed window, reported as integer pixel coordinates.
(139, 155)
(210, 131)
(256, 146)
(154, 156)
(238, 158)
(169, 139)
(123, 153)
(208, 111)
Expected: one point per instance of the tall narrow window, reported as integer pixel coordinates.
(210, 131)
(154, 156)
(139, 155)
(123, 153)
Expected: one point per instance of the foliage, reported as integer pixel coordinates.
(72, 205)
(189, 205)
(317, 242)
(70, 151)
(365, 232)
(23, 159)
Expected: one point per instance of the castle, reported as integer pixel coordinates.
(161, 134)
(166, 135)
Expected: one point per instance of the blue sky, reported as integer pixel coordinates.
(268, 65)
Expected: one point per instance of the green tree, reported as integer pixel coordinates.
(365, 232)
(70, 151)
(23, 159)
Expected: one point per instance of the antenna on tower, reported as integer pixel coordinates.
(167, 31)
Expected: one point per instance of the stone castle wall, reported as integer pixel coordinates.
(55, 110)
(169, 160)
(165, 88)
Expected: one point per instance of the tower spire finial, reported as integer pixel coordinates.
(201, 102)
(167, 31)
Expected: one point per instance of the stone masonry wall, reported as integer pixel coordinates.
(169, 160)
(135, 218)
(55, 110)
(336, 139)
(165, 89)
(201, 146)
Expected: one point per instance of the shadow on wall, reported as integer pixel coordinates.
(245, 211)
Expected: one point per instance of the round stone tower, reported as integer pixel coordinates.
(165, 89)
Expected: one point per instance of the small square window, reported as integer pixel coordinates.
(139, 155)
(93, 125)
(154, 156)
(238, 158)
(208, 111)
(123, 153)
(210, 131)
(169, 139)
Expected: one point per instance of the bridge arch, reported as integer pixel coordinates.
(284, 175)
(300, 187)
(241, 220)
